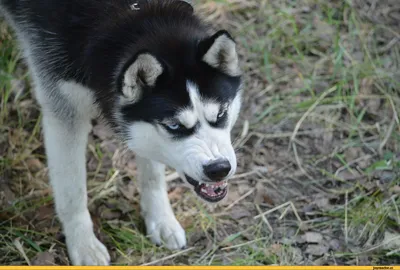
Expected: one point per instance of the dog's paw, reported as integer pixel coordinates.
(167, 231)
(85, 249)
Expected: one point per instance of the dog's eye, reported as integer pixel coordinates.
(174, 126)
(221, 114)
(222, 117)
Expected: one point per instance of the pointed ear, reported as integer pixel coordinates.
(186, 5)
(219, 51)
(141, 73)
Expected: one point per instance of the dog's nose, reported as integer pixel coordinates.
(217, 170)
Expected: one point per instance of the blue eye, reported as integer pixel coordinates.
(173, 126)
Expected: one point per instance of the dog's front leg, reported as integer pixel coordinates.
(65, 141)
(161, 224)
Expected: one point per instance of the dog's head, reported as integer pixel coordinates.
(178, 107)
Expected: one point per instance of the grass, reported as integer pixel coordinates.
(317, 142)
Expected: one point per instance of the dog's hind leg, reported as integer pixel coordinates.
(161, 224)
(65, 132)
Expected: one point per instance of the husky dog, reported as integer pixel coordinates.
(166, 85)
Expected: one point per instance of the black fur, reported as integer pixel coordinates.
(89, 40)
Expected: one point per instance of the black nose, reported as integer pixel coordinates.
(217, 170)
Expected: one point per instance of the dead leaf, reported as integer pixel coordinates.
(92, 164)
(239, 213)
(7, 196)
(386, 176)
(312, 237)
(186, 222)
(53, 230)
(264, 195)
(176, 194)
(44, 258)
(127, 189)
(131, 165)
(322, 202)
(34, 164)
(109, 146)
(102, 131)
(349, 175)
(334, 244)
(395, 190)
(366, 88)
(323, 30)
(260, 193)
(121, 204)
(274, 249)
(19, 87)
(391, 240)
(353, 153)
(44, 212)
(110, 214)
(243, 188)
(317, 250)
(327, 138)
(233, 195)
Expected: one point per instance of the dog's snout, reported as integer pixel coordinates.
(217, 170)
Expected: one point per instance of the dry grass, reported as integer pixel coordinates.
(318, 146)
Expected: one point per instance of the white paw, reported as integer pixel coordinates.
(167, 231)
(85, 249)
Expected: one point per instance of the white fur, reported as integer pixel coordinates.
(188, 118)
(223, 56)
(67, 110)
(189, 155)
(65, 141)
(211, 110)
(81, 97)
(161, 224)
(234, 109)
(145, 65)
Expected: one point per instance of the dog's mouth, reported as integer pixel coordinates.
(210, 192)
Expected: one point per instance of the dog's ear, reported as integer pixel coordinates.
(186, 5)
(219, 51)
(141, 73)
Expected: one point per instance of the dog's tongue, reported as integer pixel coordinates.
(213, 190)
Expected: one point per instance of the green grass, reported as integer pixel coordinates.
(322, 101)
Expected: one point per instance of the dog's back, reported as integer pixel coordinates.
(66, 37)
